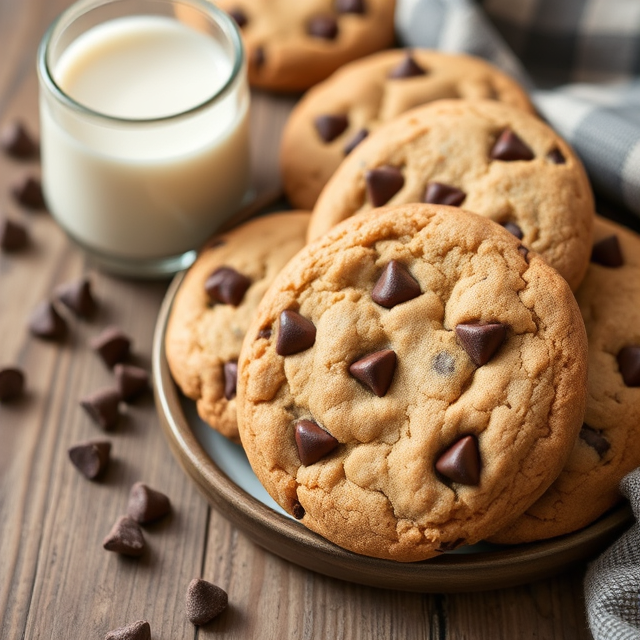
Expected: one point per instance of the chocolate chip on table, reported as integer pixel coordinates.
(395, 286)
(112, 345)
(16, 141)
(556, 156)
(230, 379)
(407, 68)
(629, 364)
(509, 146)
(27, 191)
(382, 184)
(139, 630)
(481, 341)
(595, 439)
(77, 297)
(329, 127)
(461, 462)
(375, 370)
(323, 27)
(607, 252)
(131, 381)
(350, 6)
(102, 407)
(313, 441)
(513, 229)
(125, 538)
(147, 504)
(13, 236)
(227, 286)
(439, 193)
(295, 334)
(239, 16)
(91, 458)
(46, 323)
(11, 384)
(355, 141)
(204, 601)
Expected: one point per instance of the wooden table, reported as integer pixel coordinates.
(55, 579)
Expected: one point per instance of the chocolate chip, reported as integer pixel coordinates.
(46, 323)
(444, 363)
(136, 631)
(16, 142)
(461, 462)
(555, 156)
(481, 341)
(313, 442)
(375, 370)
(239, 16)
(90, 458)
(125, 538)
(230, 379)
(131, 381)
(595, 439)
(394, 286)
(438, 193)
(28, 192)
(265, 333)
(205, 601)
(324, 27)
(77, 296)
(383, 183)
(296, 333)
(607, 252)
(329, 127)
(629, 363)
(350, 6)
(11, 384)
(258, 57)
(147, 504)
(13, 236)
(408, 68)
(524, 252)
(102, 407)
(510, 146)
(297, 510)
(450, 545)
(227, 286)
(112, 345)
(355, 141)
(513, 229)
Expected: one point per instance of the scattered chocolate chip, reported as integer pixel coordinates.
(265, 333)
(383, 183)
(450, 545)
(125, 538)
(230, 379)
(355, 141)
(131, 381)
(13, 236)
(350, 6)
(555, 156)
(112, 345)
(595, 439)
(444, 363)
(324, 27)
(28, 192)
(11, 384)
(90, 458)
(239, 16)
(227, 286)
(297, 510)
(329, 127)
(46, 323)
(296, 333)
(313, 442)
(513, 229)
(136, 631)
(77, 296)
(438, 193)
(205, 601)
(147, 504)
(510, 146)
(461, 462)
(375, 370)
(524, 252)
(102, 407)
(408, 68)
(394, 286)
(481, 341)
(607, 252)
(258, 57)
(629, 363)
(16, 142)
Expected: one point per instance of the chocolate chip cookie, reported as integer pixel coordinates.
(335, 116)
(608, 446)
(485, 156)
(215, 304)
(412, 381)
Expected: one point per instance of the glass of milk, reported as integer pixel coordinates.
(144, 109)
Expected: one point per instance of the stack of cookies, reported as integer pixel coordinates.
(447, 348)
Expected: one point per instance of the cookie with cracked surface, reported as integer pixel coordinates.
(485, 156)
(335, 116)
(608, 446)
(215, 305)
(422, 383)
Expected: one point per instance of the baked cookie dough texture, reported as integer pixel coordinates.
(428, 369)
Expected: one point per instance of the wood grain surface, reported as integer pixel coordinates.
(56, 581)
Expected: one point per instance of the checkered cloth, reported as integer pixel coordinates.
(579, 58)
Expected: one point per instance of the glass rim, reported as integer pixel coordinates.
(82, 7)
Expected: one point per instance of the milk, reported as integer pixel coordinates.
(134, 180)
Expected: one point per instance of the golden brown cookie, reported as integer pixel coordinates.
(215, 305)
(608, 446)
(335, 116)
(412, 381)
(485, 156)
